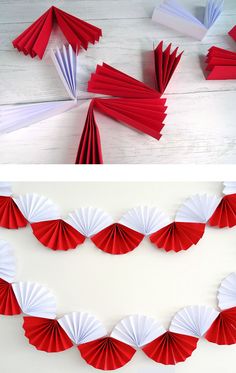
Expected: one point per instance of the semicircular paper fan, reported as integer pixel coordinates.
(8, 303)
(10, 215)
(46, 334)
(225, 213)
(7, 262)
(223, 329)
(117, 239)
(227, 292)
(178, 236)
(171, 348)
(106, 353)
(57, 234)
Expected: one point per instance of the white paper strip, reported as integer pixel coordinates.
(82, 327)
(227, 292)
(35, 299)
(229, 187)
(5, 189)
(7, 262)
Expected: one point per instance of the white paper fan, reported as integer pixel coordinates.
(197, 209)
(229, 187)
(137, 330)
(7, 262)
(193, 320)
(89, 220)
(145, 220)
(35, 299)
(37, 208)
(81, 327)
(5, 189)
(227, 292)
(213, 10)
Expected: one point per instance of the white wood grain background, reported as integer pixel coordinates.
(201, 123)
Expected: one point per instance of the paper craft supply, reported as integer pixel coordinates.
(227, 292)
(221, 64)
(173, 15)
(10, 215)
(223, 329)
(232, 33)
(8, 302)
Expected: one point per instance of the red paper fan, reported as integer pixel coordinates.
(106, 353)
(109, 81)
(10, 215)
(35, 38)
(8, 303)
(225, 213)
(145, 115)
(178, 236)
(90, 151)
(171, 348)
(221, 64)
(57, 234)
(223, 329)
(232, 33)
(46, 334)
(117, 239)
(165, 65)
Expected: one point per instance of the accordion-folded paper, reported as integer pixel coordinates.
(232, 33)
(7, 262)
(223, 329)
(10, 215)
(221, 64)
(8, 302)
(227, 292)
(225, 213)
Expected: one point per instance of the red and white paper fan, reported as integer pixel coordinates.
(227, 292)
(10, 215)
(223, 329)
(7, 262)
(5, 189)
(225, 213)
(8, 302)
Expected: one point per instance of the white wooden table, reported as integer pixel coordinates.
(201, 123)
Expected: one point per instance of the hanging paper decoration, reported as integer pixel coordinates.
(227, 292)
(7, 262)
(8, 303)
(34, 39)
(221, 64)
(223, 329)
(225, 213)
(10, 216)
(232, 33)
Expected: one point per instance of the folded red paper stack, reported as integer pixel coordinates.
(221, 64)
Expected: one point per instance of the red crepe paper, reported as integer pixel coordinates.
(46, 334)
(171, 348)
(10, 215)
(165, 65)
(221, 63)
(225, 213)
(178, 236)
(117, 239)
(57, 234)
(106, 353)
(8, 303)
(223, 329)
(232, 33)
(34, 39)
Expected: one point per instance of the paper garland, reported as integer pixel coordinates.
(109, 352)
(121, 237)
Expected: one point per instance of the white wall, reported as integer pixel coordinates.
(145, 281)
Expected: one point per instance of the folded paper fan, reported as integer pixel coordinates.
(7, 262)
(117, 239)
(34, 39)
(90, 150)
(197, 209)
(10, 215)
(193, 320)
(229, 187)
(227, 292)
(232, 33)
(106, 353)
(171, 348)
(46, 334)
(145, 220)
(137, 330)
(57, 234)
(5, 189)
(221, 64)
(8, 303)
(82, 327)
(37, 208)
(89, 220)
(165, 65)
(223, 329)
(178, 236)
(225, 213)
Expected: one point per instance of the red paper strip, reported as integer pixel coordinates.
(225, 213)
(10, 215)
(8, 303)
(223, 329)
(232, 33)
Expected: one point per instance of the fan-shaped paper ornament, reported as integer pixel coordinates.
(34, 39)
(229, 187)
(227, 292)
(223, 329)
(117, 239)
(10, 215)
(57, 234)
(36, 208)
(232, 33)
(89, 220)
(197, 209)
(193, 320)
(46, 334)
(7, 262)
(225, 213)
(165, 65)
(221, 64)
(8, 303)
(35, 299)
(137, 330)
(5, 188)
(178, 236)
(171, 348)
(106, 353)
(82, 327)
(145, 220)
